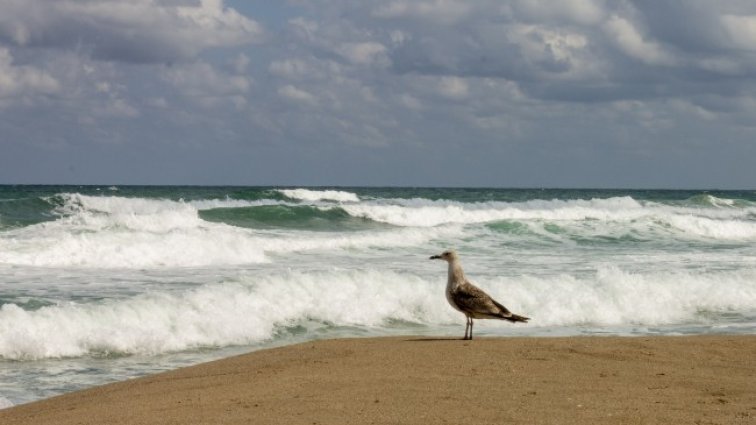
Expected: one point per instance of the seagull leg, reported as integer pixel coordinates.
(468, 328)
(467, 325)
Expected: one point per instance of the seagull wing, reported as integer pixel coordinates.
(477, 303)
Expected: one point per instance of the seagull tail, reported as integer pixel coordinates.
(514, 318)
(505, 314)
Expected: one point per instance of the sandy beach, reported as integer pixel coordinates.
(578, 380)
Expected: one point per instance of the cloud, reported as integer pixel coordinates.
(582, 12)
(241, 63)
(139, 31)
(204, 84)
(297, 95)
(632, 43)
(119, 108)
(561, 53)
(368, 53)
(453, 87)
(23, 81)
(292, 68)
(510, 87)
(438, 11)
(741, 31)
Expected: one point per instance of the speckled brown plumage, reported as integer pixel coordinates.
(471, 300)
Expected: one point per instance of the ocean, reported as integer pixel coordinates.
(99, 284)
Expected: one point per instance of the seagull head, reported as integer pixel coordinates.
(447, 256)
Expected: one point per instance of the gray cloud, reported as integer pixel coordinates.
(439, 92)
(23, 81)
(608, 51)
(141, 31)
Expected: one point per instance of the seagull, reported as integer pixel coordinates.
(469, 299)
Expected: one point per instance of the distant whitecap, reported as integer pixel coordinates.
(319, 195)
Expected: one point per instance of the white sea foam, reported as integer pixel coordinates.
(75, 203)
(115, 232)
(214, 315)
(256, 308)
(207, 245)
(720, 202)
(97, 213)
(127, 232)
(119, 232)
(716, 229)
(207, 204)
(306, 241)
(617, 297)
(424, 213)
(716, 223)
(193, 247)
(319, 195)
(5, 403)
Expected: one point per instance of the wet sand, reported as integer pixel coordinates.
(408, 380)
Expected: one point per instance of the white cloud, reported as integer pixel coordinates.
(453, 87)
(206, 85)
(20, 81)
(438, 11)
(241, 63)
(368, 53)
(119, 108)
(290, 68)
(561, 52)
(297, 95)
(399, 37)
(723, 65)
(304, 28)
(304, 68)
(632, 43)
(224, 26)
(410, 102)
(741, 30)
(584, 12)
(133, 31)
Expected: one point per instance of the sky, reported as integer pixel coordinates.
(521, 93)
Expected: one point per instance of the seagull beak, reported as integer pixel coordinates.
(435, 257)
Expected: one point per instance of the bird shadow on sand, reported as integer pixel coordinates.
(434, 339)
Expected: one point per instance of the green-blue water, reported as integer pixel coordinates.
(104, 283)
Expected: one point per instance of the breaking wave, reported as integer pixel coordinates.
(256, 309)
(116, 232)
(684, 221)
(319, 195)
